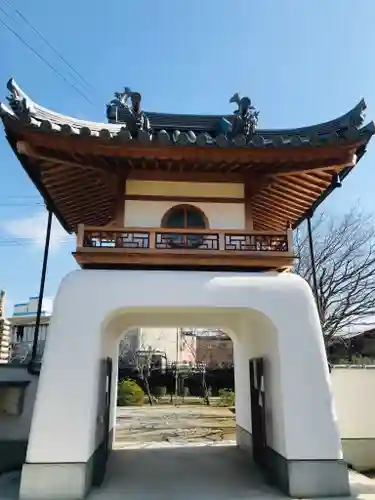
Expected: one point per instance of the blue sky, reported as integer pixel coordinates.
(300, 62)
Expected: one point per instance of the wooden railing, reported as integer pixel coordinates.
(172, 240)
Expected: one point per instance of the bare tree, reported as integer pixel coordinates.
(202, 359)
(134, 352)
(344, 251)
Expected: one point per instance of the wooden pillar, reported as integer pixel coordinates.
(248, 194)
(119, 207)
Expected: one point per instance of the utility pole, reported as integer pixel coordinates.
(313, 267)
(41, 294)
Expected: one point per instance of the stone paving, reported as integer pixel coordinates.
(186, 473)
(171, 461)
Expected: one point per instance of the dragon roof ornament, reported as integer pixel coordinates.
(19, 102)
(134, 117)
(245, 118)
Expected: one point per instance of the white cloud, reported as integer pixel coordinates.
(32, 230)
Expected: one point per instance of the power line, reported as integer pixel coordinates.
(6, 242)
(35, 52)
(49, 44)
(22, 196)
(19, 202)
(24, 205)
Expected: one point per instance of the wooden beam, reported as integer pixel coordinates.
(85, 202)
(272, 215)
(326, 176)
(80, 189)
(278, 198)
(191, 176)
(277, 208)
(183, 199)
(32, 152)
(307, 186)
(270, 222)
(318, 166)
(71, 178)
(81, 215)
(316, 180)
(262, 225)
(249, 194)
(133, 149)
(119, 208)
(295, 185)
(219, 260)
(290, 193)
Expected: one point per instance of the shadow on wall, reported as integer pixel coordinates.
(17, 397)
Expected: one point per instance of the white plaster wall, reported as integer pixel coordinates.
(93, 309)
(354, 395)
(261, 343)
(150, 213)
(201, 189)
(110, 349)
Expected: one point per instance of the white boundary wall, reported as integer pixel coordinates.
(353, 389)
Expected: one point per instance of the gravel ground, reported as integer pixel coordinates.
(174, 425)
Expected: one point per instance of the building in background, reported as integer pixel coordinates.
(353, 347)
(4, 332)
(22, 325)
(171, 344)
(215, 351)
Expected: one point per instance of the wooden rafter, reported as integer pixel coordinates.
(268, 222)
(268, 196)
(282, 220)
(289, 193)
(31, 152)
(284, 213)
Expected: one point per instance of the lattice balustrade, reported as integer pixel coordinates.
(125, 239)
(210, 241)
(197, 241)
(157, 247)
(256, 242)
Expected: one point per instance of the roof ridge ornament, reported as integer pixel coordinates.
(245, 118)
(122, 99)
(19, 102)
(358, 116)
(126, 108)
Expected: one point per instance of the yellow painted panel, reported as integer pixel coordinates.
(201, 189)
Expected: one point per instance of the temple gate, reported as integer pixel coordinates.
(184, 220)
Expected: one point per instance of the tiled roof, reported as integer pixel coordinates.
(177, 129)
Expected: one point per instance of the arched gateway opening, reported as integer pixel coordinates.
(283, 400)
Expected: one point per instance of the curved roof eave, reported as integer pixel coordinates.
(349, 124)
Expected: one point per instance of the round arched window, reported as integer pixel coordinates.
(184, 217)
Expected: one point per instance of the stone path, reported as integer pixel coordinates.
(186, 473)
(159, 454)
(195, 473)
(183, 473)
